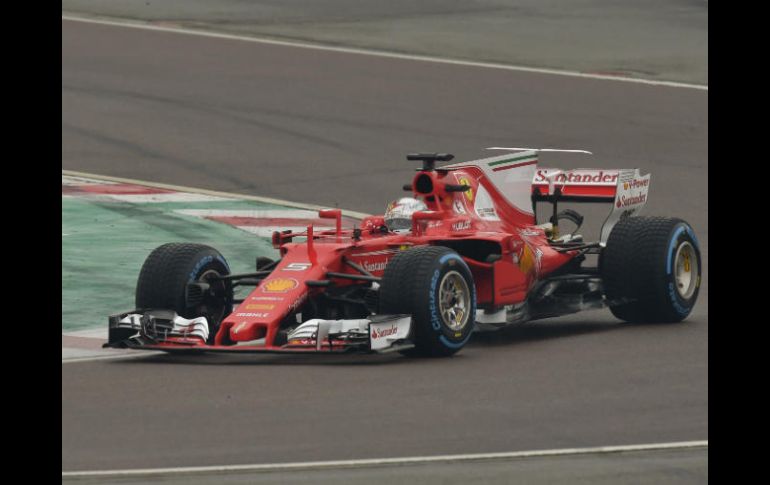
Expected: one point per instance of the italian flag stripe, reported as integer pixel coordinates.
(511, 160)
(515, 165)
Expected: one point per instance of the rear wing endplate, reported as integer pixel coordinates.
(630, 199)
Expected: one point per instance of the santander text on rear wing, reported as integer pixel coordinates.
(582, 184)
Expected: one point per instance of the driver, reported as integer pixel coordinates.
(398, 215)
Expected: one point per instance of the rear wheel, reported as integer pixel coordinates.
(435, 286)
(651, 269)
(171, 267)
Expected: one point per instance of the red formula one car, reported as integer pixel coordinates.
(474, 258)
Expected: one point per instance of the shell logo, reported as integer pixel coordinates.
(469, 192)
(280, 285)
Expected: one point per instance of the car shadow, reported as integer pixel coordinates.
(543, 330)
(266, 359)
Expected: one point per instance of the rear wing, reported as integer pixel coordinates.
(626, 189)
(522, 184)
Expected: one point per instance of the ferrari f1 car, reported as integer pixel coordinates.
(476, 259)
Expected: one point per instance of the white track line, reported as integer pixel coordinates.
(370, 52)
(326, 465)
(229, 195)
(140, 353)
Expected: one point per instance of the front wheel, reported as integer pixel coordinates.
(166, 273)
(435, 286)
(651, 268)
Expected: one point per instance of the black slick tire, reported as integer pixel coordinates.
(639, 269)
(413, 282)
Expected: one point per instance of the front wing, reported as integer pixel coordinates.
(166, 331)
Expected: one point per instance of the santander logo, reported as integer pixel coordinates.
(384, 332)
(626, 201)
(377, 266)
(597, 177)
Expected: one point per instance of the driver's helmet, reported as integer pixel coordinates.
(398, 215)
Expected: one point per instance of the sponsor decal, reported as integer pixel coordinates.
(468, 193)
(259, 306)
(266, 298)
(461, 226)
(487, 213)
(624, 201)
(376, 266)
(382, 334)
(458, 206)
(630, 199)
(636, 184)
(279, 285)
(297, 266)
(385, 332)
(432, 224)
(252, 315)
(530, 232)
(594, 177)
(297, 302)
(302, 341)
(538, 260)
(381, 252)
(484, 206)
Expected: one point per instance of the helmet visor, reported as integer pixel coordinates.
(399, 224)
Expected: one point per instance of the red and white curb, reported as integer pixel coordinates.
(122, 192)
(193, 190)
(260, 222)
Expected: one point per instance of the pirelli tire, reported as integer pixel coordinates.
(166, 272)
(435, 286)
(651, 269)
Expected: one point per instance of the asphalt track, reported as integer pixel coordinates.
(652, 39)
(331, 129)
